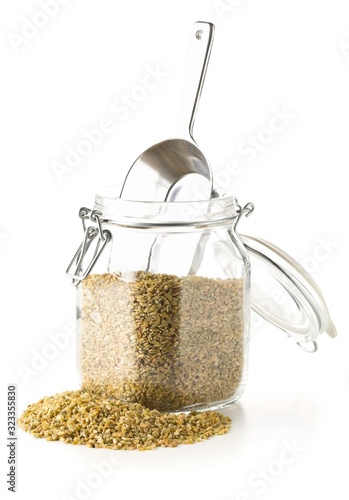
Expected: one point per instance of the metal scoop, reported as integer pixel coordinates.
(168, 170)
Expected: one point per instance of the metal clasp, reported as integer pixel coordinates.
(76, 270)
(246, 210)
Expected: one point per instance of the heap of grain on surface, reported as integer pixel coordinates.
(79, 417)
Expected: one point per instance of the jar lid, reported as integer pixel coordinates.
(285, 295)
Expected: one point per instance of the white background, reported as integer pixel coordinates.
(65, 79)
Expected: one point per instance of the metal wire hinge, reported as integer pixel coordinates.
(246, 210)
(77, 269)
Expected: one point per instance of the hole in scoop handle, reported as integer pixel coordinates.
(197, 61)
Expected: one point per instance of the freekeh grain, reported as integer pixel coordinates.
(79, 417)
(165, 342)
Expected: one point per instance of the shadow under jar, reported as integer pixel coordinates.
(163, 316)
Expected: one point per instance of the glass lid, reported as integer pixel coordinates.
(284, 294)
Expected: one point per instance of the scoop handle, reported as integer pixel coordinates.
(200, 46)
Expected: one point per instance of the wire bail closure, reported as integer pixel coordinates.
(76, 270)
(246, 211)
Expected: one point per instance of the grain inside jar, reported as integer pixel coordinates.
(163, 341)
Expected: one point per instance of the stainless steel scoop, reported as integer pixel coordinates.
(165, 171)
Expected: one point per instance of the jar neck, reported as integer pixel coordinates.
(211, 212)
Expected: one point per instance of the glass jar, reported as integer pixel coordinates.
(163, 311)
(164, 301)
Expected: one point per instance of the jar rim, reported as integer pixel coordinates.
(144, 213)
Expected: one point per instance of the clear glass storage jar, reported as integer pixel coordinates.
(163, 302)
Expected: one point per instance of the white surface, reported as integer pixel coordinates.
(267, 56)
